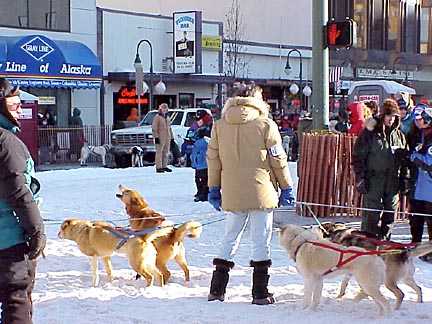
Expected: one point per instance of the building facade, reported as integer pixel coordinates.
(394, 42)
(48, 48)
(259, 48)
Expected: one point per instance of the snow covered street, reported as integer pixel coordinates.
(63, 292)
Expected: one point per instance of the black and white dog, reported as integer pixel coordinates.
(137, 155)
(100, 151)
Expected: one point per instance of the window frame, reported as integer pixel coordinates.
(28, 27)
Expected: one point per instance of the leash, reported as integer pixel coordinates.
(358, 208)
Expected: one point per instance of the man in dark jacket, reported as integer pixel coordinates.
(22, 237)
(378, 169)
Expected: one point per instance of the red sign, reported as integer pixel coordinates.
(375, 98)
(128, 96)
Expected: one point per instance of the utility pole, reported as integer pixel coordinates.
(320, 66)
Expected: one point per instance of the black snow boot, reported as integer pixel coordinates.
(219, 279)
(260, 294)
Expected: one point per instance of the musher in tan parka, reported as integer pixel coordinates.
(162, 134)
(246, 166)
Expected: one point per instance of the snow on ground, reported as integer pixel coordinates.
(63, 292)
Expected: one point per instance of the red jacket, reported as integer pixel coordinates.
(356, 117)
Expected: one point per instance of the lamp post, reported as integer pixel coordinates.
(138, 65)
(288, 67)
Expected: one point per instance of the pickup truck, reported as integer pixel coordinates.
(181, 119)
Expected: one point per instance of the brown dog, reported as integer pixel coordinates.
(96, 240)
(168, 247)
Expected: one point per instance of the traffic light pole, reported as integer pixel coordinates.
(320, 66)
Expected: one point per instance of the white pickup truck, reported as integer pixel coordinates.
(181, 119)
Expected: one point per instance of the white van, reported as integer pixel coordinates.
(376, 90)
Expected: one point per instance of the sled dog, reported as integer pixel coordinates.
(399, 266)
(96, 240)
(137, 156)
(100, 151)
(168, 247)
(313, 262)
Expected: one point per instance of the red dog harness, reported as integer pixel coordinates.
(354, 253)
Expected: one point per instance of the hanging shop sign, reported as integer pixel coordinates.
(187, 30)
(212, 43)
(384, 74)
(43, 100)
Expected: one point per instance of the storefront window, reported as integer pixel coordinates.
(394, 26)
(126, 112)
(360, 16)
(186, 100)
(425, 31)
(41, 14)
(411, 36)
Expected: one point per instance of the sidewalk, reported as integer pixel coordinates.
(65, 166)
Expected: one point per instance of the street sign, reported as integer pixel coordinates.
(340, 34)
(139, 78)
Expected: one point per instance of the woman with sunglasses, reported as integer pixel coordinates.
(22, 237)
(420, 139)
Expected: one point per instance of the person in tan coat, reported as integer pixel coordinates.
(246, 166)
(162, 134)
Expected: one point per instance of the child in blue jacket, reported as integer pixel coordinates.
(199, 163)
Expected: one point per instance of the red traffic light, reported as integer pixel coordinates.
(340, 33)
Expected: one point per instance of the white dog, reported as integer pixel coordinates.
(137, 155)
(314, 262)
(87, 150)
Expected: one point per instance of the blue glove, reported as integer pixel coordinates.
(215, 198)
(287, 198)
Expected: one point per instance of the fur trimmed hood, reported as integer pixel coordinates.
(240, 110)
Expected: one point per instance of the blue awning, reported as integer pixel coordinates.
(37, 61)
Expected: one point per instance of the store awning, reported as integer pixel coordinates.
(37, 61)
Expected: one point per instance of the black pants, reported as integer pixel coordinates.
(17, 274)
(175, 152)
(417, 222)
(201, 177)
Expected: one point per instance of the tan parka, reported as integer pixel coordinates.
(245, 156)
(161, 128)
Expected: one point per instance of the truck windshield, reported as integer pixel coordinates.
(175, 117)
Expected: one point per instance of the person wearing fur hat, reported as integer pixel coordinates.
(22, 237)
(246, 165)
(379, 170)
(420, 140)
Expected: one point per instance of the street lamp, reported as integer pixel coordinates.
(138, 69)
(288, 67)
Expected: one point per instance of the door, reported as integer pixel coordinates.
(29, 128)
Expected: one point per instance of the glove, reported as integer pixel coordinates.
(361, 186)
(36, 244)
(404, 186)
(287, 198)
(157, 141)
(214, 197)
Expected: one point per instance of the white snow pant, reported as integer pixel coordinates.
(261, 226)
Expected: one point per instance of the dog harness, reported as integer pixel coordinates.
(354, 253)
(125, 233)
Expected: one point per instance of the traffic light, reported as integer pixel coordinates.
(340, 33)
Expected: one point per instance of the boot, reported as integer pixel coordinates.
(219, 279)
(260, 294)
